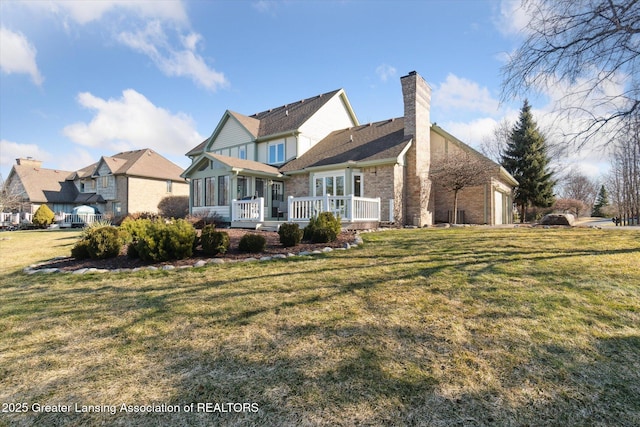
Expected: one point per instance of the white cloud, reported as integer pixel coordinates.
(511, 18)
(133, 122)
(10, 151)
(84, 12)
(458, 93)
(471, 133)
(153, 42)
(385, 72)
(17, 55)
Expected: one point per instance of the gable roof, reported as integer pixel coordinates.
(496, 166)
(289, 117)
(284, 119)
(374, 142)
(144, 163)
(40, 183)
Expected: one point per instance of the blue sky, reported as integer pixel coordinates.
(82, 79)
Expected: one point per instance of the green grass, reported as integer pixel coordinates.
(461, 327)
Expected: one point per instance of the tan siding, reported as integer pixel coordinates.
(145, 194)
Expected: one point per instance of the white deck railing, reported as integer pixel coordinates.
(15, 218)
(247, 210)
(349, 208)
(77, 219)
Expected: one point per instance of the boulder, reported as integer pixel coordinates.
(558, 219)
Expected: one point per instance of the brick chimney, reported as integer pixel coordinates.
(29, 161)
(416, 94)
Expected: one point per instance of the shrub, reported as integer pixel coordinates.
(81, 249)
(253, 243)
(164, 241)
(103, 242)
(199, 220)
(174, 206)
(290, 234)
(214, 242)
(43, 217)
(323, 228)
(131, 230)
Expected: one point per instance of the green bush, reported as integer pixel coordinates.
(103, 242)
(81, 249)
(323, 228)
(253, 243)
(43, 217)
(214, 242)
(164, 241)
(131, 230)
(290, 234)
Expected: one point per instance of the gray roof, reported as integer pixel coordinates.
(40, 183)
(290, 117)
(275, 121)
(377, 141)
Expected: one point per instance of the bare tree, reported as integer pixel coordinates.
(10, 198)
(457, 171)
(577, 186)
(572, 206)
(624, 182)
(493, 146)
(586, 45)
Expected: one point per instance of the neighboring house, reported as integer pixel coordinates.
(313, 155)
(128, 182)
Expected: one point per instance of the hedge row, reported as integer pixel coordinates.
(160, 240)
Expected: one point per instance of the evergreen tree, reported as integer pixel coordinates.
(526, 159)
(602, 201)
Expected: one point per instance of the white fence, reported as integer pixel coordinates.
(8, 218)
(62, 219)
(247, 210)
(348, 208)
(67, 220)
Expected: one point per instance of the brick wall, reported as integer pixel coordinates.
(416, 95)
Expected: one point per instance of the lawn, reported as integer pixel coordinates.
(465, 326)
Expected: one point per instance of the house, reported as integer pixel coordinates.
(127, 182)
(290, 162)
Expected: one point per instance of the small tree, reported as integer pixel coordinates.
(602, 201)
(572, 206)
(456, 172)
(174, 207)
(43, 216)
(527, 160)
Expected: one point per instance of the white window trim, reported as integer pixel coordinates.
(334, 175)
(284, 154)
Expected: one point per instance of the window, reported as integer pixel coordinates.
(209, 191)
(259, 187)
(104, 181)
(332, 185)
(169, 186)
(116, 208)
(223, 190)
(197, 192)
(242, 153)
(243, 187)
(357, 185)
(276, 153)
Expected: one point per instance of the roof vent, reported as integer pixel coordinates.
(351, 138)
(286, 113)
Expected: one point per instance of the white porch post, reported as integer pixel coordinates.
(289, 208)
(351, 214)
(379, 208)
(261, 209)
(325, 203)
(233, 210)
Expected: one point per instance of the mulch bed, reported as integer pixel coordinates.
(273, 248)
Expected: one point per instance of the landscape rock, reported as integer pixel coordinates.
(558, 219)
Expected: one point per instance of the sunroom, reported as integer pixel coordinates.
(235, 189)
